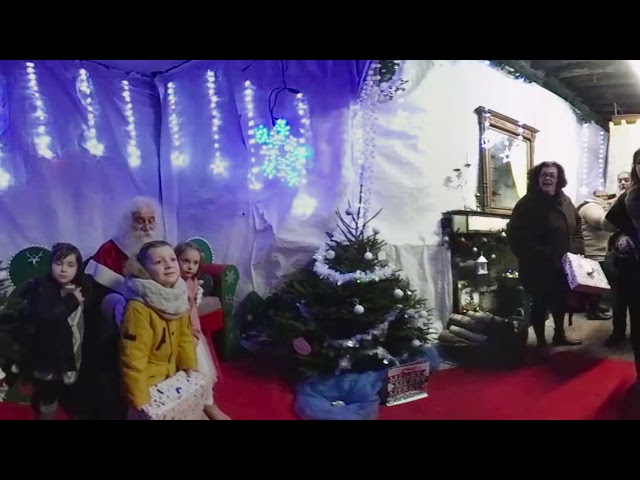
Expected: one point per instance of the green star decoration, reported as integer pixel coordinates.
(230, 277)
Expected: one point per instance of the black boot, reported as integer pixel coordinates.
(560, 340)
(597, 314)
(540, 336)
(616, 339)
(47, 412)
(559, 337)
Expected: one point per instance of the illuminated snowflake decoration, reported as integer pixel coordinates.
(285, 156)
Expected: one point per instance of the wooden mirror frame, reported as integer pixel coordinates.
(509, 126)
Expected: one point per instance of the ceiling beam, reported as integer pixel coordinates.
(606, 108)
(596, 76)
(616, 84)
(552, 65)
(611, 92)
(609, 110)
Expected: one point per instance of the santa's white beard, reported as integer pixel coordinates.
(132, 241)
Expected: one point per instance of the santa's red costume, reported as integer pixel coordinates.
(141, 223)
(107, 266)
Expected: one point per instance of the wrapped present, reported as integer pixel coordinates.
(584, 275)
(180, 397)
(406, 383)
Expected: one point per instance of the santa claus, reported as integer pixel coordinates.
(141, 223)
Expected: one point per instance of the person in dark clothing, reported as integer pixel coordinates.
(620, 307)
(624, 215)
(53, 307)
(544, 226)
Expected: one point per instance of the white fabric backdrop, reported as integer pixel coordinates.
(435, 130)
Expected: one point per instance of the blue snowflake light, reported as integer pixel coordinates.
(285, 156)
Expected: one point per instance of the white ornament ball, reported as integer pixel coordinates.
(330, 254)
(424, 314)
(398, 293)
(358, 309)
(376, 230)
(348, 211)
(415, 342)
(368, 256)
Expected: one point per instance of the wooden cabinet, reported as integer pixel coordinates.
(473, 236)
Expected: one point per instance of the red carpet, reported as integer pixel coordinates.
(567, 386)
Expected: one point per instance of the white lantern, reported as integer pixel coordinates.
(482, 265)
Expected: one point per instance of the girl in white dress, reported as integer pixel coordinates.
(189, 258)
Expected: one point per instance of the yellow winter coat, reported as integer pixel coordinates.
(153, 349)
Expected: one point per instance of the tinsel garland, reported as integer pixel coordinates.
(325, 272)
(520, 70)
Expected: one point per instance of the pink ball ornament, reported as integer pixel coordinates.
(301, 346)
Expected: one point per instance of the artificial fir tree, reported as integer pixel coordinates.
(348, 311)
(5, 286)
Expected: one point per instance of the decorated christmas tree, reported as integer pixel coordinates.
(349, 311)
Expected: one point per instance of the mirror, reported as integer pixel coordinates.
(506, 155)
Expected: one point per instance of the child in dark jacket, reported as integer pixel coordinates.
(54, 309)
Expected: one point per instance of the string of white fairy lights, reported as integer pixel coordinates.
(363, 151)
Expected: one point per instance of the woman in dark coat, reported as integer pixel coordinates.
(544, 226)
(624, 215)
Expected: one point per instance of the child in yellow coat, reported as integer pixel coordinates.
(156, 333)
